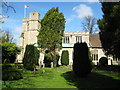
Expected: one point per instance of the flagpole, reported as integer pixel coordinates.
(24, 11)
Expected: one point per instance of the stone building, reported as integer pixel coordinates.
(92, 40)
(30, 30)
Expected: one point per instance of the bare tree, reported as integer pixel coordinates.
(5, 8)
(9, 36)
(2, 18)
(89, 24)
(6, 36)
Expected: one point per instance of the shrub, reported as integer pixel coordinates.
(65, 57)
(81, 61)
(9, 52)
(10, 73)
(48, 59)
(103, 61)
(12, 58)
(30, 57)
(56, 59)
(37, 55)
(51, 58)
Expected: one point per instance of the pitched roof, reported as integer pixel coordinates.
(95, 40)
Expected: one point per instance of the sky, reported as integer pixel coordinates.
(74, 13)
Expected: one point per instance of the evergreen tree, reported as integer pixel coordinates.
(65, 57)
(47, 59)
(110, 28)
(51, 31)
(30, 57)
(55, 60)
(81, 60)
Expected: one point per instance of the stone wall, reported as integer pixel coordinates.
(30, 30)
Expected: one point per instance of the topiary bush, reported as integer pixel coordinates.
(81, 60)
(65, 58)
(10, 73)
(30, 57)
(103, 61)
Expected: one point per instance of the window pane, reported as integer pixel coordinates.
(78, 39)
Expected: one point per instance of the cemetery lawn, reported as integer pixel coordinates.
(51, 78)
(63, 77)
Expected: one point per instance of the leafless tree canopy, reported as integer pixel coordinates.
(6, 36)
(5, 8)
(89, 23)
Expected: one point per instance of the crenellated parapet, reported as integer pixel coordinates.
(74, 37)
(76, 33)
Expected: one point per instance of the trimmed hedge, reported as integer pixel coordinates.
(81, 60)
(65, 58)
(30, 57)
(10, 73)
(103, 61)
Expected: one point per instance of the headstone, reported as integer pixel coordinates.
(43, 66)
(41, 58)
(43, 70)
(51, 64)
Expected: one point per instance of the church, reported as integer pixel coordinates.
(30, 30)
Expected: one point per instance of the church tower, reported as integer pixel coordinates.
(30, 30)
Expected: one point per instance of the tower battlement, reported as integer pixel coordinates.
(30, 28)
(34, 16)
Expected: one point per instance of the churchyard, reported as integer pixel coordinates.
(64, 77)
(29, 71)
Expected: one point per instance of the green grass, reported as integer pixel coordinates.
(51, 78)
(61, 77)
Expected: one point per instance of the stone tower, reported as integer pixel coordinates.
(30, 30)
